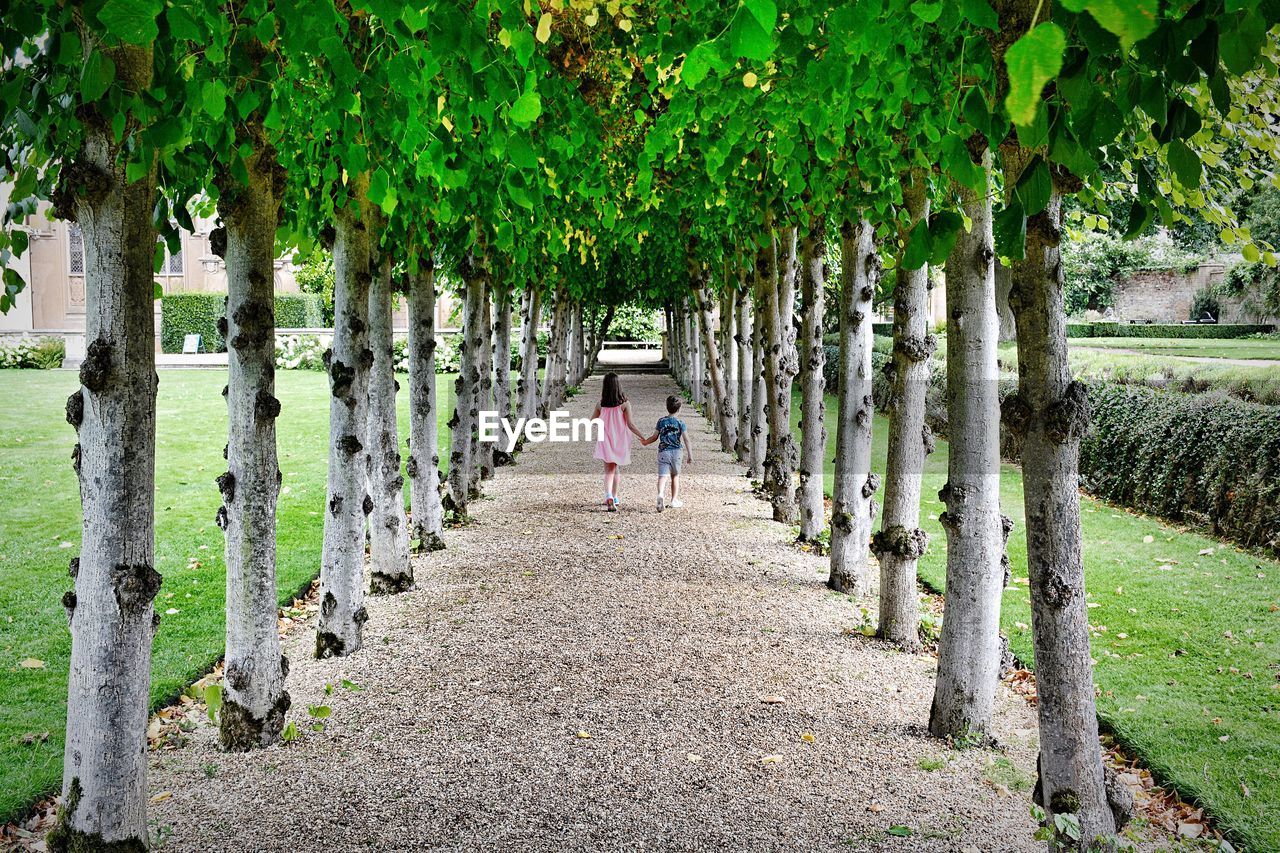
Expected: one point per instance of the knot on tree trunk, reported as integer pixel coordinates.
(73, 567)
(237, 676)
(367, 505)
(227, 486)
(1067, 418)
(95, 370)
(350, 445)
(335, 505)
(341, 377)
(856, 317)
(1008, 663)
(79, 180)
(870, 485)
(253, 324)
(75, 409)
(842, 521)
(135, 586)
(360, 617)
(916, 348)
(867, 293)
(1119, 798)
(411, 467)
(900, 542)
(1043, 229)
(69, 604)
(218, 242)
(355, 326)
(221, 518)
(326, 237)
(266, 407)
(366, 358)
(329, 645)
(1056, 589)
(926, 436)
(1015, 414)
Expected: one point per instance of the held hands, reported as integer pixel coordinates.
(645, 442)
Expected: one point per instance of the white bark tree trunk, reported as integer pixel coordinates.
(423, 466)
(110, 610)
(554, 378)
(597, 342)
(484, 459)
(813, 430)
(900, 541)
(463, 424)
(577, 346)
(1050, 413)
(969, 648)
(721, 402)
(759, 392)
(390, 569)
(531, 311)
(745, 379)
(502, 364)
(728, 351)
(853, 508)
(342, 613)
(780, 370)
(1004, 284)
(254, 702)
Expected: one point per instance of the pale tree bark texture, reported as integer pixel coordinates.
(423, 465)
(852, 505)
(759, 437)
(110, 609)
(577, 346)
(697, 367)
(527, 390)
(728, 349)
(254, 702)
(389, 566)
(780, 370)
(484, 459)
(463, 424)
(554, 378)
(969, 649)
(597, 340)
(502, 362)
(721, 403)
(900, 541)
(342, 613)
(813, 430)
(745, 379)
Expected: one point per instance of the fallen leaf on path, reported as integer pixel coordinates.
(875, 808)
(693, 758)
(808, 737)
(162, 796)
(585, 735)
(772, 700)
(771, 759)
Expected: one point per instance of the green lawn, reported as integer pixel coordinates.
(1187, 644)
(1201, 347)
(40, 532)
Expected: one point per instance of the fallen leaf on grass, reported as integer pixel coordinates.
(31, 663)
(162, 796)
(32, 738)
(1148, 538)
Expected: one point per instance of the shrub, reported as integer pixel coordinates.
(1093, 263)
(315, 276)
(1257, 286)
(32, 353)
(1201, 459)
(1164, 330)
(185, 314)
(633, 323)
(300, 352)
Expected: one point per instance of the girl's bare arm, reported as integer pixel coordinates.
(596, 413)
(626, 412)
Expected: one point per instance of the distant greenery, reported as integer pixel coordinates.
(315, 275)
(1164, 330)
(32, 353)
(633, 323)
(1094, 261)
(185, 314)
(1257, 285)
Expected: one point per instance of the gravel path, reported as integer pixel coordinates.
(569, 679)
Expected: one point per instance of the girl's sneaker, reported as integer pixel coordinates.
(677, 503)
(610, 505)
(660, 504)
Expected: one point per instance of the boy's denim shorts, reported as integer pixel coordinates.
(668, 462)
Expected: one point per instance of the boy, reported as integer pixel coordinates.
(671, 435)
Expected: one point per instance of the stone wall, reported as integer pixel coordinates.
(1165, 296)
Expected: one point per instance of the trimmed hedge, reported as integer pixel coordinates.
(183, 314)
(1197, 458)
(1164, 330)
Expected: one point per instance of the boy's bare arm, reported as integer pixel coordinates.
(688, 448)
(650, 440)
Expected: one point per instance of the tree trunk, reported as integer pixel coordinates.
(759, 391)
(553, 382)
(728, 351)
(1050, 413)
(900, 542)
(463, 424)
(577, 347)
(852, 508)
(598, 342)
(484, 459)
(255, 701)
(745, 379)
(813, 430)
(390, 569)
(727, 419)
(1004, 284)
(531, 310)
(502, 365)
(110, 610)
(969, 649)
(423, 466)
(780, 454)
(697, 368)
(342, 613)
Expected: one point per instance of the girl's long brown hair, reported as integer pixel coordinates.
(611, 394)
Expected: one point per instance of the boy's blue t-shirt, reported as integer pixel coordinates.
(670, 429)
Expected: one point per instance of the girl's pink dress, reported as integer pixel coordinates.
(614, 444)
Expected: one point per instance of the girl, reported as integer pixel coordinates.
(614, 446)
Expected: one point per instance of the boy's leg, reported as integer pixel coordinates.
(675, 486)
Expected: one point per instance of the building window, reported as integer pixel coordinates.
(75, 249)
(173, 262)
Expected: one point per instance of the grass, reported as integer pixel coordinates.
(1264, 348)
(1186, 635)
(40, 532)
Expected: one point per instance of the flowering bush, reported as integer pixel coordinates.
(36, 353)
(300, 352)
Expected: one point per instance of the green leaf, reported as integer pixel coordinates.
(927, 12)
(96, 78)
(1185, 164)
(944, 230)
(1140, 218)
(132, 21)
(1033, 61)
(764, 11)
(1035, 187)
(526, 109)
(213, 701)
(319, 712)
(290, 733)
(522, 45)
(748, 39)
(213, 96)
(979, 13)
(975, 110)
(381, 192)
(1010, 227)
(918, 247)
(1130, 20)
(900, 831)
(697, 64)
(1240, 44)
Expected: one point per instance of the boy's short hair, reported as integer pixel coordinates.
(673, 404)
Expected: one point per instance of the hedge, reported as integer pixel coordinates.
(183, 314)
(1165, 330)
(1198, 458)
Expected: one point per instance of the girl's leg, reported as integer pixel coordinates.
(609, 471)
(617, 480)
